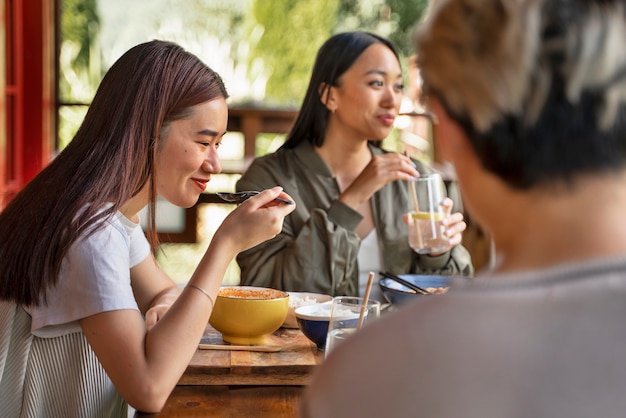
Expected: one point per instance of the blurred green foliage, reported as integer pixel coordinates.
(80, 25)
(279, 38)
(393, 19)
(292, 31)
(77, 21)
(295, 29)
(406, 14)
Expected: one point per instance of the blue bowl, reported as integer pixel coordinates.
(313, 322)
(397, 293)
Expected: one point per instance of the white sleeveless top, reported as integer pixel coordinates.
(370, 259)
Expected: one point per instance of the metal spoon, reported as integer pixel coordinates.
(240, 197)
(406, 283)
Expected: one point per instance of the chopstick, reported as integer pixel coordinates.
(406, 283)
(366, 298)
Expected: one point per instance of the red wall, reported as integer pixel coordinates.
(27, 99)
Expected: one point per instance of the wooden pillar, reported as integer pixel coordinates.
(250, 128)
(26, 92)
(38, 104)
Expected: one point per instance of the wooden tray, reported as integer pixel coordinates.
(291, 364)
(212, 340)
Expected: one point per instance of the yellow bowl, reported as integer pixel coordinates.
(245, 315)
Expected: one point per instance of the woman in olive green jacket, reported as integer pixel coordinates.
(350, 194)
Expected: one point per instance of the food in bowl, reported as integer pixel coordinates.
(397, 294)
(297, 299)
(437, 290)
(246, 315)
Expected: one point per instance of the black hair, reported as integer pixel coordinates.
(333, 59)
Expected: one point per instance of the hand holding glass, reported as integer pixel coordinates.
(426, 231)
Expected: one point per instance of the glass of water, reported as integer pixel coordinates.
(347, 315)
(426, 230)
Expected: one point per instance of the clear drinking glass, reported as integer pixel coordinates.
(347, 315)
(426, 232)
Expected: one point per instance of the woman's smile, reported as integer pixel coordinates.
(201, 183)
(387, 119)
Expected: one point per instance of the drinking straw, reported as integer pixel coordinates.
(366, 299)
(416, 205)
(416, 209)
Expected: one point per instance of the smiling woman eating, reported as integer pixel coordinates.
(87, 315)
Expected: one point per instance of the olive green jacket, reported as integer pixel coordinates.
(317, 248)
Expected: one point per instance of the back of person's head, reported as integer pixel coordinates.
(538, 86)
(108, 161)
(333, 59)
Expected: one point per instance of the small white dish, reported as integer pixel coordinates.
(297, 299)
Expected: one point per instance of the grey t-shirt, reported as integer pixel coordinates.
(545, 343)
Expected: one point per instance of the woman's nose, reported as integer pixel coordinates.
(391, 97)
(212, 163)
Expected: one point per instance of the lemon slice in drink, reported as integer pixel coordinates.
(426, 216)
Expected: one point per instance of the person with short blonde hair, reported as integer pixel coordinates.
(531, 101)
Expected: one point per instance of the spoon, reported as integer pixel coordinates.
(240, 197)
(406, 283)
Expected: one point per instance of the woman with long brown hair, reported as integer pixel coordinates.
(78, 280)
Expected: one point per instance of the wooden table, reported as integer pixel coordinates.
(224, 383)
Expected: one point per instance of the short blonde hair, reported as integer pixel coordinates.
(488, 59)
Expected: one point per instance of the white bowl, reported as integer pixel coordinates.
(297, 299)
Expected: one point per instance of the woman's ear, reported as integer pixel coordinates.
(327, 96)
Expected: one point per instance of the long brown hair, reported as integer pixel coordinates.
(110, 159)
